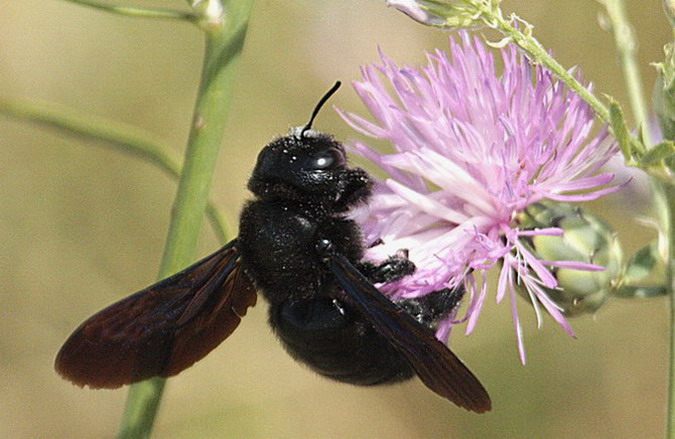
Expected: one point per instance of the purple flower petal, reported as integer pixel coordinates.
(473, 149)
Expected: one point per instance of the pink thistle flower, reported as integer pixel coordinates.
(472, 150)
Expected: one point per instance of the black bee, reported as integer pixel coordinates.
(297, 246)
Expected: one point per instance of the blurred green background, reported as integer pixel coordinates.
(81, 226)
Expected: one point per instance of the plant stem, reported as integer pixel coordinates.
(626, 46)
(137, 12)
(494, 19)
(224, 42)
(120, 137)
(664, 199)
(669, 192)
(663, 193)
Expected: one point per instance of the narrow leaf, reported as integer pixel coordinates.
(662, 151)
(620, 130)
(642, 264)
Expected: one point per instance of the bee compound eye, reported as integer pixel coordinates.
(329, 158)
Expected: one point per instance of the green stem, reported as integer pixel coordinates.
(224, 42)
(669, 193)
(663, 193)
(626, 46)
(493, 18)
(137, 12)
(664, 199)
(118, 136)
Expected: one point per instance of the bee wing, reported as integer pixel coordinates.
(162, 329)
(438, 368)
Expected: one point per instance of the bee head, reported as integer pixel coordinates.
(308, 165)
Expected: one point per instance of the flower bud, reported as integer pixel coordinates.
(415, 11)
(457, 13)
(586, 240)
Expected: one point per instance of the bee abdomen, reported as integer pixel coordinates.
(331, 339)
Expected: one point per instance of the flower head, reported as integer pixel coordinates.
(472, 150)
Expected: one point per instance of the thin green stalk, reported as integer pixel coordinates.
(626, 46)
(224, 42)
(669, 192)
(666, 211)
(137, 12)
(668, 219)
(120, 137)
(663, 194)
(494, 18)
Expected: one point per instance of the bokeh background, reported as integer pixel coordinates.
(81, 226)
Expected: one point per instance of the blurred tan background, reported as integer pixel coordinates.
(81, 226)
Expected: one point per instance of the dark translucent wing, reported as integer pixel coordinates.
(438, 368)
(162, 329)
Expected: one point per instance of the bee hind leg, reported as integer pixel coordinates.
(391, 269)
(431, 308)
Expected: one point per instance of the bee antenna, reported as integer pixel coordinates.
(322, 101)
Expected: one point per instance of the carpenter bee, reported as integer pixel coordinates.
(297, 246)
